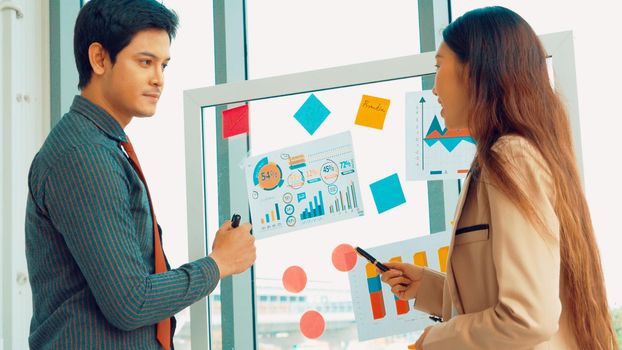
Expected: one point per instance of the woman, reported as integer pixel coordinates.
(524, 270)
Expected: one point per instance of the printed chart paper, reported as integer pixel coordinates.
(434, 152)
(377, 311)
(305, 185)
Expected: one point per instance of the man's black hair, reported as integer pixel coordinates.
(113, 24)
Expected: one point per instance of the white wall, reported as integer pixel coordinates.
(25, 117)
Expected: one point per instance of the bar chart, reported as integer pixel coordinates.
(343, 202)
(273, 216)
(375, 292)
(401, 306)
(377, 311)
(315, 209)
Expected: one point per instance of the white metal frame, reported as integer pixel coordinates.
(558, 45)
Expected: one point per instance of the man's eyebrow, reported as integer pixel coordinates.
(438, 56)
(149, 54)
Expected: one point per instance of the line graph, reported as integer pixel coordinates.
(434, 152)
(448, 138)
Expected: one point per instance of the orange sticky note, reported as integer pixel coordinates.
(372, 112)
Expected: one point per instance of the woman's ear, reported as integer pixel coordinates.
(97, 58)
(463, 72)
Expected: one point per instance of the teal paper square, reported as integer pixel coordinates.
(312, 114)
(387, 193)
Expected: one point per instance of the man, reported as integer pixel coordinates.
(98, 274)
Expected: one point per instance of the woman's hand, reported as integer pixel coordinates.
(419, 343)
(404, 279)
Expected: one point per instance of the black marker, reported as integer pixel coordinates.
(371, 259)
(436, 318)
(235, 220)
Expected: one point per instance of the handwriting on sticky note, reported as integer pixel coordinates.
(372, 111)
(367, 104)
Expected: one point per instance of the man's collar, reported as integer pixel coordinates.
(100, 117)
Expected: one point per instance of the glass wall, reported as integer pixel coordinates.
(377, 154)
(288, 37)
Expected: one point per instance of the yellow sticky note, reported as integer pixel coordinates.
(372, 112)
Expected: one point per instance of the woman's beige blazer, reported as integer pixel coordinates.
(502, 286)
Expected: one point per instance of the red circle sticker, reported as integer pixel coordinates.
(312, 324)
(294, 279)
(344, 257)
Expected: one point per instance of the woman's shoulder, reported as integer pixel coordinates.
(512, 143)
(522, 159)
(518, 148)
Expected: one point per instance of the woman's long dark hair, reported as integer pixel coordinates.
(510, 93)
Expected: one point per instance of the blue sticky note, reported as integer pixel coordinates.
(387, 193)
(312, 114)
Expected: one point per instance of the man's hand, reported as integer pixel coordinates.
(404, 279)
(233, 249)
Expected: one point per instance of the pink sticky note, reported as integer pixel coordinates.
(234, 121)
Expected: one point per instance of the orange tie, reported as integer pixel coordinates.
(163, 329)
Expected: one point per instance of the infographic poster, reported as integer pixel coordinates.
(377, 312)
(434, 152)
(305, 185)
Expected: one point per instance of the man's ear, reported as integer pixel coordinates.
(97, 58)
